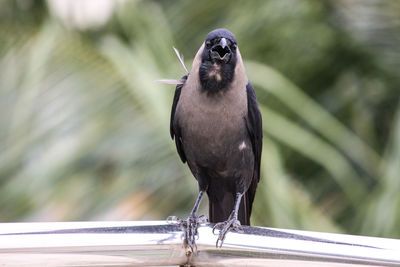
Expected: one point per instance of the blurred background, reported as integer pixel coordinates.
(84, 127)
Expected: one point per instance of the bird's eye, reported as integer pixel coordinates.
(233, 46)
(208, 44)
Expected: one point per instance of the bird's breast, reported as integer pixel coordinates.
(213, 126)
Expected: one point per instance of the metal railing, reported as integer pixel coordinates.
(157, 243)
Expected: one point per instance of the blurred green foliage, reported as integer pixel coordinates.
(84, 126)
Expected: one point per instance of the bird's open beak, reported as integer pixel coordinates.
(221, 51)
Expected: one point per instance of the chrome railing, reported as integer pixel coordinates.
(157, 243)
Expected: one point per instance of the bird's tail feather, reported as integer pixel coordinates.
(219, 211)
(245, 210)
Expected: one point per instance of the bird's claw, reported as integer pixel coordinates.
(202, 219)
(173, 219)
(224, 228)
(189, 228)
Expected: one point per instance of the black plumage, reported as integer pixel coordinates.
(217, 127)
(175, 131)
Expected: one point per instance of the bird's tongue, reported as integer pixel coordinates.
(222, 52)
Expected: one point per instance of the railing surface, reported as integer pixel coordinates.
(157, 243)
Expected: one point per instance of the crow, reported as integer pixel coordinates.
(217, 127)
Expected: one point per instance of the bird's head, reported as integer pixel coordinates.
(220, 47)
(218, 60)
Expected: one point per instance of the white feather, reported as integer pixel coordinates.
(170, 81)
(242, 146)
(180, 57)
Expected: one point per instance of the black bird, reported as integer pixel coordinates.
(217, 127)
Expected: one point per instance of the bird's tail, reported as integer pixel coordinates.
(219, 211)
(245, 209)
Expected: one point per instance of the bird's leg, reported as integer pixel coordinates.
(190, 225)
(193, 222)
(231, 223)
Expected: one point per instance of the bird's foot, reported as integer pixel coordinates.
(225, 227)
(189, 228)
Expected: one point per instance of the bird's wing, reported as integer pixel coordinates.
(174, 129)
(254, 128)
